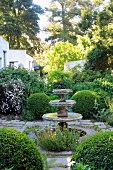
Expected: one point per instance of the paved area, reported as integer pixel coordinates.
(57, 160)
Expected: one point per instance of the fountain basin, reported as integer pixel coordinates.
(65, 103)
(62, 91)
(54, 117)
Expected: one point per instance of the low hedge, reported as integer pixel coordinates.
(18, 151)
(38, 104)
(96, 151)
(85, 100)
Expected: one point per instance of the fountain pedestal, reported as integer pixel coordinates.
(62, 116)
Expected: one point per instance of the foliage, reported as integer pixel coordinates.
(38, 104)
(79, 166)
(27, 115)
(57, 140)
(19, 23)
(96, 151)
(85, 100)
(86, 76)
(61, 29)
(57, 76)
(105, 85)
(8, 168)
(69, 18)
(60, 53)
(102, 114)
(18, 151)
(59, 79)
(97, 59)
(32, 82)
(13, 98)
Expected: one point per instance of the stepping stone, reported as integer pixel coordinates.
(98, 123)
(61, 163)
(102, 126)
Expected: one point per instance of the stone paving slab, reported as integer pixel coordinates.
(60, 162)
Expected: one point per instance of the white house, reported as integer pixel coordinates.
(72, 64)
(17, 58)
(4, 48)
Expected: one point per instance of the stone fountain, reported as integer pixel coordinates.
(62, 116)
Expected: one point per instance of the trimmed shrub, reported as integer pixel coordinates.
(31, 79)
(96, 151)
(38, 104)
(85, 100)
(18, 151)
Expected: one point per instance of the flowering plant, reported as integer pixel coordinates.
(13, 96)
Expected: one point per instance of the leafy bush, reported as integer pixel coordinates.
(27, 115)
(59, 79)
(79, 166)
(14, 97)
(57, 76)
(105, 85)
(38, 104)
(18, 151)
(84, 86)
(97, 59)
(57, 140)
(31, 79)
(96, 151)
(86, 76)
(85, 100)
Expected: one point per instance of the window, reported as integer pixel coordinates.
(11, 64)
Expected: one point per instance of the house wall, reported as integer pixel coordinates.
(72, 64)
(20, 58)
(4, 48)
(14, 57)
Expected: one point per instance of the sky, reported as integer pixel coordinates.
(43, 18)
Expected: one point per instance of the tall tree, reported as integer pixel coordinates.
(19, 22)
(101, 38)
(65, 16)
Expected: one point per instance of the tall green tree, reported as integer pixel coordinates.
(69, 18)
(101, 38)
(19, 22)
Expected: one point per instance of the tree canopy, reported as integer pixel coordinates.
(60, 53)
(70, 18)
(19, 22)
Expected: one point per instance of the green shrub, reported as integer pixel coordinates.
(96, 151)
(31, 79)
(18, 151)
(85, 100)
(59, 79)
(57, 140)
(86, 76)
(38, 104)
(27, 115)
(105, 85)
(79, 166)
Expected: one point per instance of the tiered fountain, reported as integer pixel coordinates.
(62, 116)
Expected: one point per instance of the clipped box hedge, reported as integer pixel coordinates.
(96, 151)
(18, 151)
